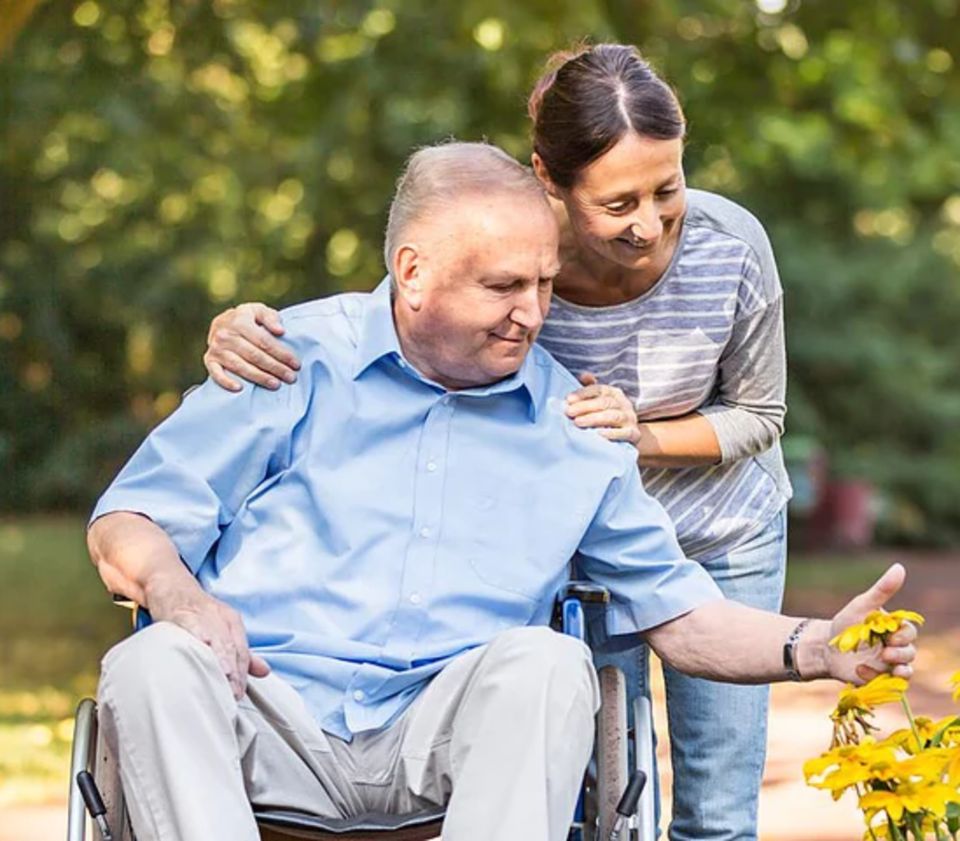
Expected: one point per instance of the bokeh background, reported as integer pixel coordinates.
(160, 161)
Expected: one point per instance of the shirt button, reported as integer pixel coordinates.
(358, 695)
(424, 532)
(431, 466)
(414, 598)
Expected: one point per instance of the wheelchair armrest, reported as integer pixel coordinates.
(121, 600)
(585, 592)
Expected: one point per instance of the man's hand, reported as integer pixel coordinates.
(215, 624)
(857, 667)
(242, 341)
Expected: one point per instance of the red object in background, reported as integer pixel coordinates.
(845, 515)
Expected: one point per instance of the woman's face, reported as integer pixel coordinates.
(627, 206)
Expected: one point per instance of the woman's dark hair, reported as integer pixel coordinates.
(587, 100)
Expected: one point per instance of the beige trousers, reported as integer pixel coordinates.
(501, 737)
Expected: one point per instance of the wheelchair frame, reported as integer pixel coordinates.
(596, 813)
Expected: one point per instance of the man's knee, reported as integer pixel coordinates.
(542, 659)
(162, 658)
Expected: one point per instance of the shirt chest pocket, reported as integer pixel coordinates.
(524, 536)
(676, 371)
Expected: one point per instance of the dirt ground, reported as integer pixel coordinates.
(799, 725)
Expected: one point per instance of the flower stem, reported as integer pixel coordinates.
(894, 829)
(913, 724)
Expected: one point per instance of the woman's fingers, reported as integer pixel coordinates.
(606, 417)
(620, 433)
(256, 334)
(219, 376)
(249, 331)
(268, 317)
(236, 364)
(604, 403)
(264, 360)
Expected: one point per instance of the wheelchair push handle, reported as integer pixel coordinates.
(94, 803)
(627, 806)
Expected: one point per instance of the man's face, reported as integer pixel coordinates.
(481, 288)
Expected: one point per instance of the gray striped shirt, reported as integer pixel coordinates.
(708, 337)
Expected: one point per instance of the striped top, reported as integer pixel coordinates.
(708, 337)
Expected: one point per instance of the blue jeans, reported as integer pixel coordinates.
(718, 731)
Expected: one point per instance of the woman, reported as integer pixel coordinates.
(669, 307)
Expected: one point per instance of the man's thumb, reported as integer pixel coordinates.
(883, 589)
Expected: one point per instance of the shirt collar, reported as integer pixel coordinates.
(378, 334)
(378, 338)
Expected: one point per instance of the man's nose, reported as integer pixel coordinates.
(527, 312)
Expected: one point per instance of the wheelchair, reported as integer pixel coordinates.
(617, 802)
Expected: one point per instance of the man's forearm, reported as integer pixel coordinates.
(728, 641)
(135, 557)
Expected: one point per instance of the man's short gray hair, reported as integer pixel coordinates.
(439, 175)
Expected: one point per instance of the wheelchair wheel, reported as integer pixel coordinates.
(92, 753)
(107, 775)
(612, 739)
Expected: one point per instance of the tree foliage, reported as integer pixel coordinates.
(161, 161)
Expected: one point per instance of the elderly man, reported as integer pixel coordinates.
(351, 577)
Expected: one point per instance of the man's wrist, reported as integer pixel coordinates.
(811, 652)
(165, 590)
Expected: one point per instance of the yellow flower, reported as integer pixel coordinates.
(955, 680)
(953, 770)
(848, 765)
(883, 689)
(946, 732)
(874, 628)
(927, 766)
(926, 797)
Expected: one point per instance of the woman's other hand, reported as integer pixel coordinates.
(604, 408)
(242, 341)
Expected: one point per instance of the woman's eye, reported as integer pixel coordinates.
(663, 194)
(620, 207)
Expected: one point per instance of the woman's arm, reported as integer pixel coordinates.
(747, 416)
(679, 442)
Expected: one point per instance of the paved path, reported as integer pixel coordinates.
(799, 725)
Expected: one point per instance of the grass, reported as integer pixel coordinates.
(834, 573)
(56, 621)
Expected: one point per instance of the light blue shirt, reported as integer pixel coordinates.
(370, 526)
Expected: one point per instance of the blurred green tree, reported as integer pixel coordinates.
(161, 161)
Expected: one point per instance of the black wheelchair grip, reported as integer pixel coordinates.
(631, 796)
(91, 794)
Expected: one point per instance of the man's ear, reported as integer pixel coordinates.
(407, 273)
(540, 169)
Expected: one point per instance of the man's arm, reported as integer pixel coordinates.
(725, 640)
(134, 556)
(163, 514)
(631, 548)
